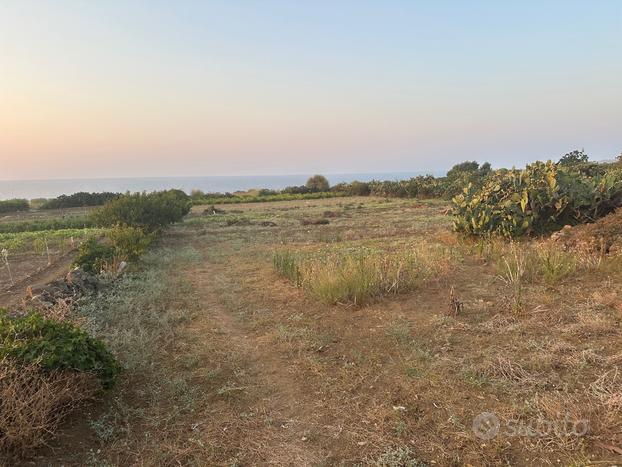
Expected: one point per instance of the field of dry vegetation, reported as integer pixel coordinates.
(354, 331)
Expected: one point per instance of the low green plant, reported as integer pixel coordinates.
(93, 256)
(53, 344)
(47, 224)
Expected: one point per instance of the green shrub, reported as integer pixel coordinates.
(539, 199)
(148, 211)
(80, 199)
(129, 242)
(14, 205)
(93, 256)
(53, 344)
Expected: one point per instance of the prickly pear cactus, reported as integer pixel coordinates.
(539, 199)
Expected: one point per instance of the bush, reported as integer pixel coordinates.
(355, 188)
(78, 200)
(129, 242)
(317, 183)
(93, 256)
(55, 345)
(14, 205)
(148, 211)
(33, 402)
(539, 199)
(295, 190)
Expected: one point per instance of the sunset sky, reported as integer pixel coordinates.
(162, 88)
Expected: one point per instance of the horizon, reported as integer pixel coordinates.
(156, 90)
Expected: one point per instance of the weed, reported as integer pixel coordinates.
(400, 331)
(286, 264)
(104, 428)
(513, 274)
(554, 264)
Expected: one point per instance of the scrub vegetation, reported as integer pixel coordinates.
(376, 327)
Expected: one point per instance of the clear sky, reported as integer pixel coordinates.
(156, 88)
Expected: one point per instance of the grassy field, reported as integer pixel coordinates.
(354, 331)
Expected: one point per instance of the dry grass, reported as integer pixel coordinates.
(359, 275)
(34, 402)
(262, 374)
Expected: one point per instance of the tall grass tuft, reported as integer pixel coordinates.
(554, 264)
(286, 264)
(360, 275)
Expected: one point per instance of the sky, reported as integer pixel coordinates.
(238, 87)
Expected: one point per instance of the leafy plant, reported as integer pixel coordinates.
(52, 344)
(93, 256)
(129, 242)
(539, 199)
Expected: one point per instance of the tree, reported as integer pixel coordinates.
(464, 167)
(574, 158)
(318, 183)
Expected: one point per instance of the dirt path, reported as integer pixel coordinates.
(14, 294)
(270, 414)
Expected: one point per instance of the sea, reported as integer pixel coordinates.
(32, 189)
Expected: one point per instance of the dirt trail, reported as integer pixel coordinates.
(14, 294)
(271, 420)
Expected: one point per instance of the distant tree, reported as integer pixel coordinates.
(14, 205)
(464, 167)
(463, 174)
(574, 158)
(318, 183)
(197, 194)
(485, 169)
